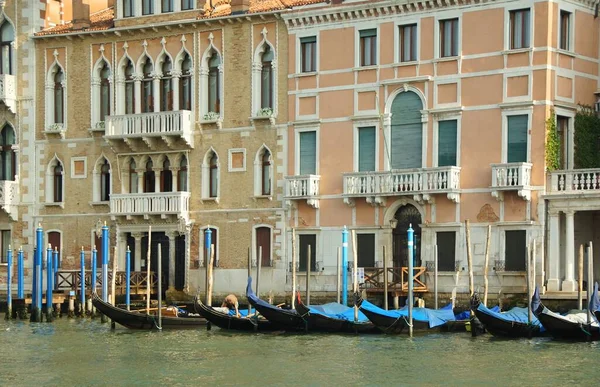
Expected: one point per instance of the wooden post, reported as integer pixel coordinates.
(293, 268)
(580, 284)
(9, 284)
(114, 276)
(590, 279)
(209, 268)
(469, 257)
(308, 262)
(355, 272)
(339, 273)
(258, 267)
(249, 274)
(435, 276)
(486, 264)
(529, 291)
(385, 281)
(159, 269)
(148, 280)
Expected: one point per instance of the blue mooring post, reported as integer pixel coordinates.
(127, 277)
(49, 284)
(345, 266)
(94, 272)
(36, 315)
(105, 263)
(34, 282)
(20, 275)
(410, 300)
(55, 262)
(207, 243)
(9, 283)
(82, 282)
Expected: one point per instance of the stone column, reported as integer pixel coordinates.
(175, 174)
(137, 89)
(138, 251)
(156, 92)
(157, 171)
(140, 172)
(175, 85)
(569, 284)
(171, 236)
(554, 253)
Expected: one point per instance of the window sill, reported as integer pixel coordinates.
(511, 273)
(103, 203)
(55, 204)
(366, 68)
(216, 122)
(517, 50)
(53, 132)
(216, 200)
(566, 53)
(271, 118)
(405, 64)
(263, 197)
(96, 130)
(307, 74)
(446, 59)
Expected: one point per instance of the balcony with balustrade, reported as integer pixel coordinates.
(8, 91)
(511, 177)
(575, 182)
(420, 183)
(9, 197)
(164, 205)
(303, 187)
(151, 131)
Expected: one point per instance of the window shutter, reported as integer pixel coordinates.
(366, 149)
(447, 143)
(514, 250)
(407, 131)
(308, 153)
(368, 33)
(366, 250)
(517, 139)
(446, 243)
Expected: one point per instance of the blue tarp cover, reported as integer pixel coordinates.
(433, 317)
(338, 311)
(513, 315)
(467, 313)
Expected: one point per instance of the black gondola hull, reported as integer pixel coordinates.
(394, 325)
(562, 329)
(319, 323)
(510, 329)
(226, 321)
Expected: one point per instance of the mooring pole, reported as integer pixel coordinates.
(55, 261)
(20, 275)
(580, 275)
(435, 276)
(36, 315)
(113, 281)
(160, 288)
(355, 273)
(148, 262)
(410, 279)
(34, 281)
(469, 257)
(590, 279)
(207, 260)
(385, 281)
(529, 290)
(486, 264)
(210, 274)
(258, 267)
(308, 263)
(104, 248)
(94, 278)
(128, 278)
(293, 267)
(249, 272)
(49, 284)
(82, 281)
(345, 266)
(9, 264)
(339, 273)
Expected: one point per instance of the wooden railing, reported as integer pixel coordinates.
(397, 279)
(138, 281)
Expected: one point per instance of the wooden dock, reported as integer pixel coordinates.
(397, 280)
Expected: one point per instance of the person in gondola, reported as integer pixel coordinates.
(231, 302)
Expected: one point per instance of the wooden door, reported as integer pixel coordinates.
(263, 240)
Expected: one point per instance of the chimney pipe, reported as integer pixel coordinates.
(81, 14)
(239, 6)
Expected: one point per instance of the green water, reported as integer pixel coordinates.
(86, 352)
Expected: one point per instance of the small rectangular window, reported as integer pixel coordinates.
(517, 139)
(447, 143)
(128, 8)
(365, 250)
(519, 28)
(308, 54)
(562, 129)
(565, 30)
(366, 149)
(446, 247)
(167, 5)
(515, 252)
(187, 4)
(4, 243)
(305, 241)
(448, 38)
(308, 153)
(368, 47)
(408, 43)
(147, 7)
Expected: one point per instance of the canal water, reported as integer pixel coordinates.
(72, 352)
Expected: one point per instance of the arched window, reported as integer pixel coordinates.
(185, 84)
(59, 95)
(129, 89)
(147, 89)
(406, 131)
(166, 92)
(7, 154)
(104, 91)
(214, 176)
(7, 36)
(133, 177)
(105, 181)
(183, 175)
(166, 177)
(266, 79)
(214, 80)
(58, 183)
(149, 178)
(266, 173)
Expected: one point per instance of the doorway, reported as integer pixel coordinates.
(407, 216)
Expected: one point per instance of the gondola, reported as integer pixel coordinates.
(572, 326)
(513, 323)
(334, 318)
(284, 319)
(396, 321)
(139, 320)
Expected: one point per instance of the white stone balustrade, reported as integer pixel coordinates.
(303, 187)
(511, 177)
(418, 181)
(146, 204)
(9, 197)
(157, 124)
(8, 91)
(575, 180)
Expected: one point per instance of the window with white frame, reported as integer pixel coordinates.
(449, 38)
(128, 8)
(187, 4)
(104, 91)
(7, 37)
(129, 88)
(565, 30)
(101, 93)
(167, 6)
(59, 97)
(55, 182)
(263, 172)
(308, 152)
(182, 177)
(166, 87)
(519, 28)
(408, 42)
(214, 83)
(516, 147)
(147, 87)
(308, 54)
(55, 97)
(147, 7)
(368, 47)
(366, 149)
(4, 244)
(102, 181)
(185, 83)
(266, 79)
(8, 156)
(447, 143)
(210, 175)
(133, 177)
